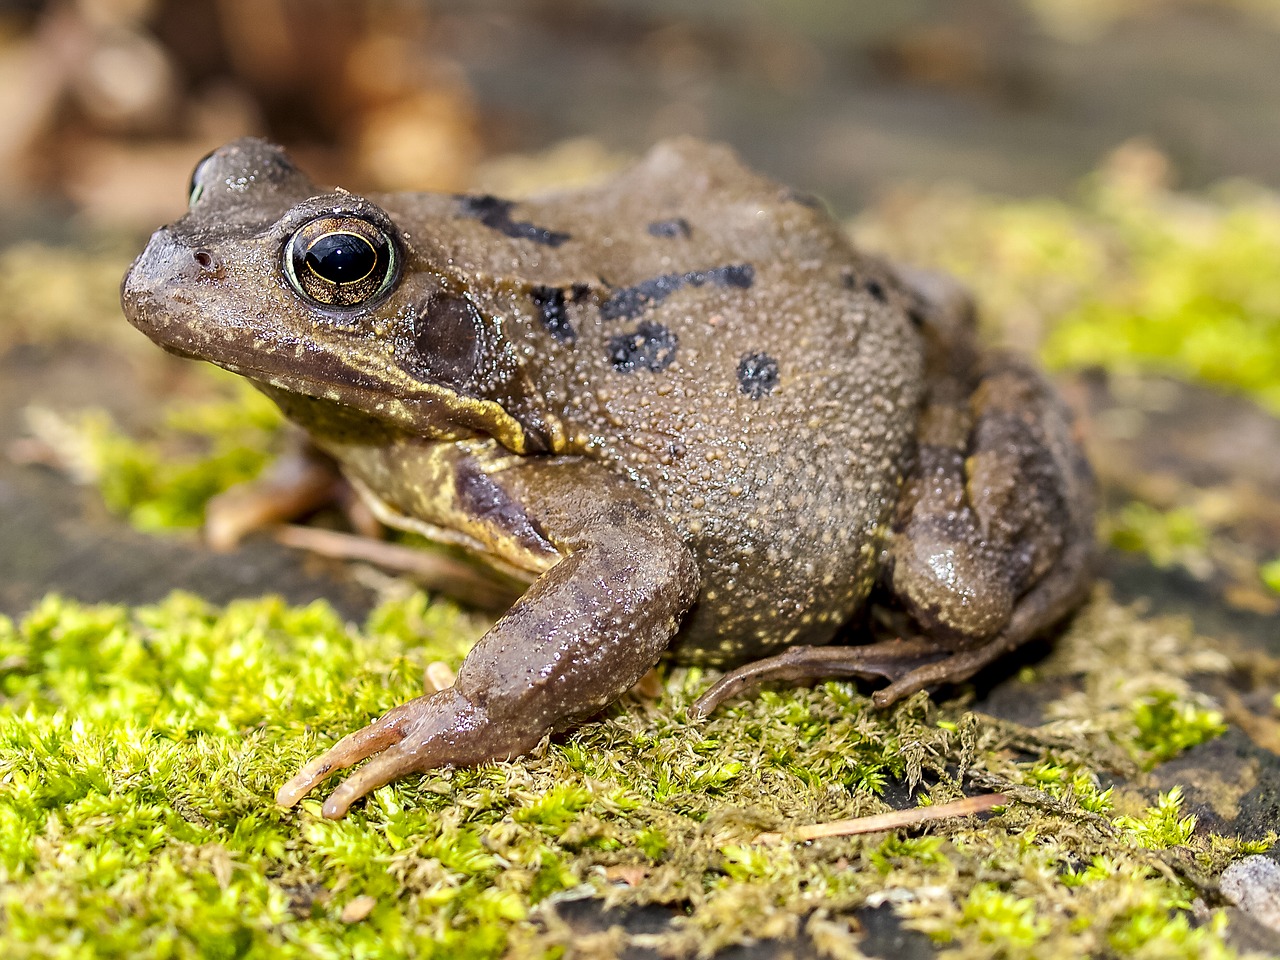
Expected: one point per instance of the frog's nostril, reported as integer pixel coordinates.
(203, 258)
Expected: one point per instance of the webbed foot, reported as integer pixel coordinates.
(297, 483)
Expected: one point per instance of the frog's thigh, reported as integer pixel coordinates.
(998, 544)
(585, 631)
(999, 497)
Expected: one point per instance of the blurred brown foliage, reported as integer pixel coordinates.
(108, 103)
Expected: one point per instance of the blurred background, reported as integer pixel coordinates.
(106, 104)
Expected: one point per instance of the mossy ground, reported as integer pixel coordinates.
(140, 750)
(140, 747)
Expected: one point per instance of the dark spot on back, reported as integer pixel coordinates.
(916, 317)
(629, 302)
(876, 289)
(551, 309)
(675, 227)
(740, 275)
(757, 374)
(651, 347)
(495, 213)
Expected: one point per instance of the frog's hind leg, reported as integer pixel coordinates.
(915, 663)
(299, 482)
(1044, 606)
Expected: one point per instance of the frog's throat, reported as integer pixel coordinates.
(468, 415)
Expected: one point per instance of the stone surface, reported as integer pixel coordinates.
(1253, 885)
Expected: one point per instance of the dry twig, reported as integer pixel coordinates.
(888, 821)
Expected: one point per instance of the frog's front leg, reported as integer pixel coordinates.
(586, 630)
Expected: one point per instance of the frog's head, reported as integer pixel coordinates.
(317, 293)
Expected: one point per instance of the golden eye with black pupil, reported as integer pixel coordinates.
(342, 262)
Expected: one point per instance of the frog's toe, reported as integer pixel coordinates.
(298, 483)
(889, 660)
(390, 764)
(351, 749)
(441, 729)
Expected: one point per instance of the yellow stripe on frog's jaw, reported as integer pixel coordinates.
(398, 389)
(394, 402)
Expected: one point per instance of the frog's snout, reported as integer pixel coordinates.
(150, 290)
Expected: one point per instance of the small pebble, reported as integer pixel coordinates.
(1253, 885)
(357, 909)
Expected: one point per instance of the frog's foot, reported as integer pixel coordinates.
(437, 730)
(898, 660)
(1041, 608)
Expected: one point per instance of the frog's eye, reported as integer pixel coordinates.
(195, 189)
(343, 262)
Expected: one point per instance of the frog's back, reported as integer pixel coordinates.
(712, 335)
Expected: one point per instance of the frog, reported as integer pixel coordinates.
(679, 403)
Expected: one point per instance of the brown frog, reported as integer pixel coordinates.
(680, 403)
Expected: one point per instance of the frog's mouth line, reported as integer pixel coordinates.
(429, 411)
(289, 366)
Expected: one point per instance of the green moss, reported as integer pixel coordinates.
(998, 917)
(1167, 537)
(1160, 827)
(1167, 725)
(1197, 298)
(1270, 573)
(1069, 780)
(1130, 276)
(140, 750)
(200, 449)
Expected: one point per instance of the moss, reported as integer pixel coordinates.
(1130, 276)
(1161, 827)
(140, 748)
(1168, 725)
(998, 917)
(201, 448)
(1175, 537)
(1196, 298)
(1270, 573)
